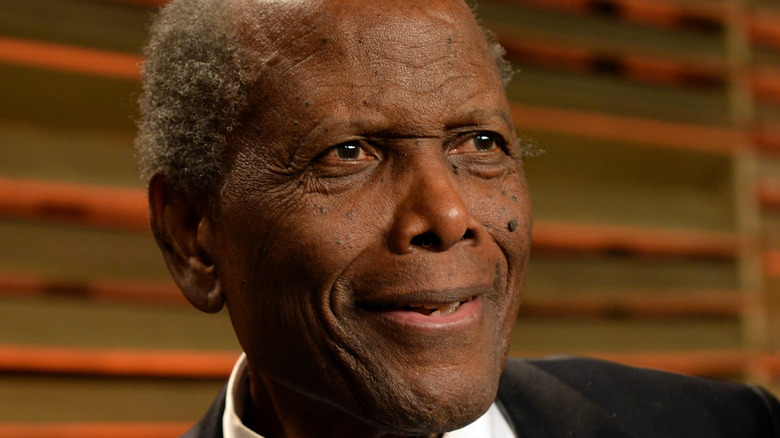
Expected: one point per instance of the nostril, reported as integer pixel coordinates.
(469, 234)
(426, 240)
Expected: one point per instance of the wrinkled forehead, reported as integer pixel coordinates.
(377, 30)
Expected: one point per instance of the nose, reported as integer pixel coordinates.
(432, 215)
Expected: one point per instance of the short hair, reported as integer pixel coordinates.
(196, 82)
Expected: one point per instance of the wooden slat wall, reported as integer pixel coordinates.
(657, 206)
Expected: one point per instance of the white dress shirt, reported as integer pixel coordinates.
(491, 424)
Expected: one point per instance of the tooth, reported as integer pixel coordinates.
(448, 308)
(431, 306)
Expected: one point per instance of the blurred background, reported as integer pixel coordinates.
(657, 206)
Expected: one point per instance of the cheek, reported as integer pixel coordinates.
(504, 208)
(302, 249)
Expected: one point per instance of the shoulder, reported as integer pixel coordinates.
(634, 402)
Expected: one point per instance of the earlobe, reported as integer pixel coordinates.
(182, 229)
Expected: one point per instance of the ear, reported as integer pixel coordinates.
(182, 228)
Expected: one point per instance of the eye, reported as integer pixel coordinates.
(484, 141)
(350, 156)
(351, 151)
(480, 142)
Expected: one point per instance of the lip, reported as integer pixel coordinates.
(388, 311)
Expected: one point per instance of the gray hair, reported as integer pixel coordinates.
(195, 91)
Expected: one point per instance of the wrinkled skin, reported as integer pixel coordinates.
(379, 167)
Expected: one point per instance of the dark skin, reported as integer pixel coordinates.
(378, 175)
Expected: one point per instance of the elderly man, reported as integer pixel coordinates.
(345, 177)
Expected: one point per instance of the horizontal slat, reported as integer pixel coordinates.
(762, 24)
(772, 263)
(765, 83)
(117, 208)
(648, 12)
(29, 285)
(629, 129)
(692, 72)
(168, 364)
(763, 28)
(683, 304)
(766, 137)
(124, 363)
(768, 194)
(69, 58)
(768, 367)
(565, 237)
(94, 430)
(697, 363)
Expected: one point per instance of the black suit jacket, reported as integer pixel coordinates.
(587, 398)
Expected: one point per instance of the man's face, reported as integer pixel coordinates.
(373, 229)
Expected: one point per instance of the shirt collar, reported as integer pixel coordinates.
(492, 424)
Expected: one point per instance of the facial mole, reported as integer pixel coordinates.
(455, 169)
(350, 216)
(512, 225)
(324, 41)
(514, 198)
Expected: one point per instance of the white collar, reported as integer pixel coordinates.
(491, 424)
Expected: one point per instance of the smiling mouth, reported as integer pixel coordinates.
(423, 308)
(431, 309)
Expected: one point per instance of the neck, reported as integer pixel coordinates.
(276, 411)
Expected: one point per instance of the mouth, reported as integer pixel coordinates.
(429, 312)
(429, 309)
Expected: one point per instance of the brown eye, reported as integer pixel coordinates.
(348, 151)
(484, 141)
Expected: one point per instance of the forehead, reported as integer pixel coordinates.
(428, 55)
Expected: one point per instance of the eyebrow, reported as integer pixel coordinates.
(480, 116)
(379, 127)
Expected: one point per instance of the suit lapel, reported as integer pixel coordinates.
(541, 406)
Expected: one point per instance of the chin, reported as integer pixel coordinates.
(433, 418)
(432, 403)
